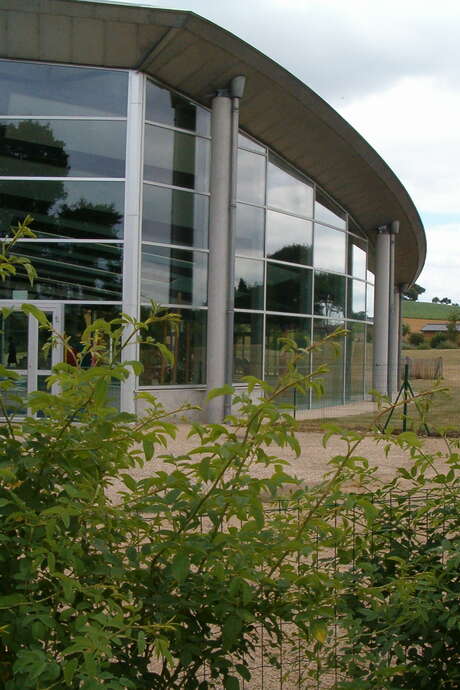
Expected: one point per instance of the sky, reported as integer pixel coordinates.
(392, 70)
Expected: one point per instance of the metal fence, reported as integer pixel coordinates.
(405, 524)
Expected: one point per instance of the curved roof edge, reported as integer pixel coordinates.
(195, 56)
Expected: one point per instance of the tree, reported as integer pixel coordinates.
(454, 318)
(412, 293)
(445, 300)
(435, 300)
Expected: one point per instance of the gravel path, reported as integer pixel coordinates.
(312, 462)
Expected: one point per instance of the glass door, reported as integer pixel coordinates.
(21, 351)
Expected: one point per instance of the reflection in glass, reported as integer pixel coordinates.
(356, 258)
(277, 361)
(14, 340)
(329, 295)
(44, 356)
(80, 210)
(329, 249)
(356, 299)
(326, 211)
(249, 284)
(287, 191)
(61, 148)
(370, 302)
(288, 289)
(171, 109)
(247, 143)
(68, 271)
(172, 216)
(250, 177)
(354, 369)
(176, 159)
(333, 379)
(370, 277)
(173, 276)
(247, 345)
(77, 317)
(368, 384)
(249, 239)
(289, 238)
(186, 341)
(29, 88)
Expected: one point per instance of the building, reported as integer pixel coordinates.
(151, 146)
(427, 318)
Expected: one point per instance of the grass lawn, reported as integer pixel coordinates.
(445, 406)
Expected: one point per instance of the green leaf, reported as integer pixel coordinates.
(180, 567)
(141, 642)
(231, 683)
(319, 632)
(69, 670)
(148, 447)
(36, 313)
(230, 631)
(9, 600)
(223, 390)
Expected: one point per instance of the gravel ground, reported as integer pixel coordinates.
(312, 462)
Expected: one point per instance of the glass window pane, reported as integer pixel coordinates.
(62, 148)
(326, 211)
(14, 340)
(329, 249)
(354, 366)
(249, 239)
(356, 299)
(333, 379)
(176, 159)
(370, 302)
(289, 238)
(370, 277)
(187, 342)
(288, 289)
(68, 271)
(287, 191)
(329, 295)
(28, 88)
(356, 258)
(369, 368)
(247, 143)
(247, 345)
(173, 276)
(249, 284)
(172, 216)
(80, 210)
(171, 109)
(250, 177)
(277, 361)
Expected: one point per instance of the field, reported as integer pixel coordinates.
(445, 406)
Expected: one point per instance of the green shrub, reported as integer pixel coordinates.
(438, 340)
(416, 339)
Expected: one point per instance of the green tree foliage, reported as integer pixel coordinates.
(416, 339)
(438, 340)
(453, 321)
(194, 563)
(413, 292)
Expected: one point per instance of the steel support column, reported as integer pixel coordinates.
(381, 310)
(219, 225)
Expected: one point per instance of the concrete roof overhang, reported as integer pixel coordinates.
(194, 56)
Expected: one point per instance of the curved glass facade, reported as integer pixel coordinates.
(300, 272)
(301, 264)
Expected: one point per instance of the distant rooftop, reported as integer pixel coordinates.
(437, 328)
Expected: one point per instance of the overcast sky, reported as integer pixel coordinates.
(393, 71)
